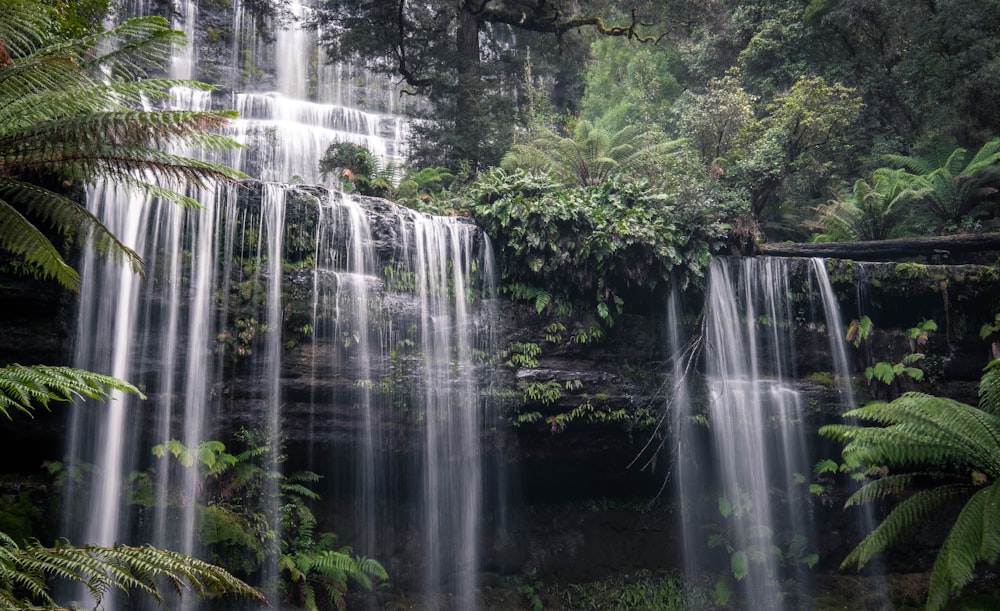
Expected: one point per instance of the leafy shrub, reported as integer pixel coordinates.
(605, 241)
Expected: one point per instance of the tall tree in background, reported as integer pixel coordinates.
(463, 55)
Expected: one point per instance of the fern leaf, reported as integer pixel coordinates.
(902, 517)
(23, 387)
(972, 538)
(989, 389)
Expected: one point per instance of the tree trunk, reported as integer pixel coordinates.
(886, 250)
(468, 39)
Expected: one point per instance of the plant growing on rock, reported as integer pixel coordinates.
(237, 527)
(597, 244)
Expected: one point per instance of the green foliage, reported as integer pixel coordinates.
(426, 190)
(76, 18)
(630, 84)
(642, 590)
(23, 388)
(797, 146)
(523, 354)
(312, 563)
(67, 118)
(755, 543)
(719, 121)
(20, 514)
(356, 169)
(859, 330)
(234, 524)
(545, 393)
(594, 243)
(957, 445)
(886, 379)
(593, 156)
(990, 328)
(876, 211)
(950, 188)
(24, 572)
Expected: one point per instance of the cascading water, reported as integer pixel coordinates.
(750, 448)
(405, 305)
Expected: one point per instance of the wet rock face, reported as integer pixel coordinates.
(35, 323)
(575, 419)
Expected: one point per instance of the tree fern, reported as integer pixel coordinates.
(918, 430)
(951, 187)
(592, 156)
(24, 572)
(23, 388)
(62, 116)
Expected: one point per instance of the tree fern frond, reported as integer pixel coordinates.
(24, 26)
(132, 568)
(373, 567)
(299, 490)
(974, 537)
(989, 388)
(132, 47)
(23, 388)
(880, 489)
(28, 77)
(21, 237)
(922, 429)
(902, 517)
(70, 218)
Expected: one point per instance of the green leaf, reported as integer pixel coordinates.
(725, 507)
(825, 466)
(739, 565)
(884, 372)
(721, 593)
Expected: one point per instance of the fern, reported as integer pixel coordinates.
(974, 537)
(25, 387)
(62, 115)
(23, 573)
(989, 389)
(922, 430)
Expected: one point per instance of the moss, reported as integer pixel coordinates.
(910, 271)
(823, 378)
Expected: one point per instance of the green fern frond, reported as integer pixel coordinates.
(989, 389)
(902, 517)
(373, 567)
(69, 218)
(922, 429)
(973, 538)
(100, 569)
(937, 432)
(62, 116)
(24, 387)
(22, 238)
(299, 490)
(882, 488)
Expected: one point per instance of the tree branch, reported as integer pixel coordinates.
(552, 22)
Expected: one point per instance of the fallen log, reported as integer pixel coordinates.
(886, 250)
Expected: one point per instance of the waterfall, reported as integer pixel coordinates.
(397, 314)
(748, 448)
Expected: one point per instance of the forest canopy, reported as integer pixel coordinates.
(789, 102)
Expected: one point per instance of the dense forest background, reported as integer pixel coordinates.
(631, 141)
(784, 104)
